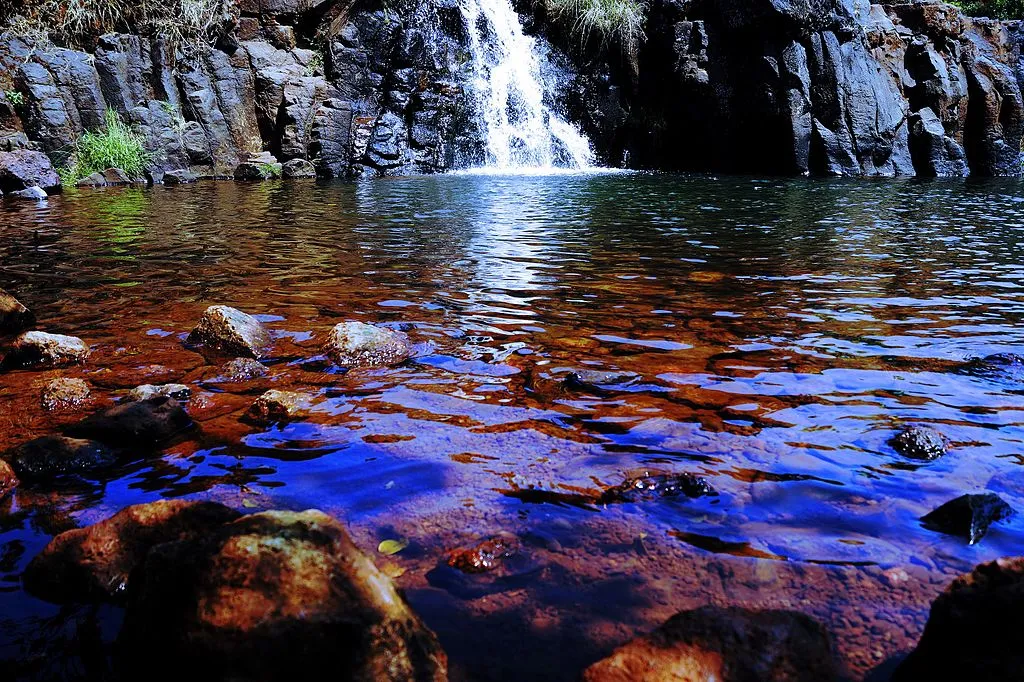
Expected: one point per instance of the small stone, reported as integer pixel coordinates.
(136, 424)
(179, 392)
(651, 486)
(280, 406)
(39, 349)
(356, 344)
(486, 556)
(65, 394)
(52, 457)
(968, 516)
(232, 331)
(298, 168)
(920, 442)
(14, 316)
(31, 193)
(8, 479)
(243, 369)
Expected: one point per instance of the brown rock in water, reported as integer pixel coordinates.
(974, 631)
(273, 596)
(713, 644)
(39, 349)
(51, 457)
(179, 392)
(13, 315)
(280, 406)
(486, 556)
(94, 563)
(231, 331)
(356, 344)
(243, 369)
(135, 424)
(65, 394)
(8, 480)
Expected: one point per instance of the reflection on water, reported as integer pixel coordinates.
(779, 333)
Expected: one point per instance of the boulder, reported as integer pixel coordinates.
(95, 563)
(714, 644)
(14, 316)
(298, 168)
(654, 486)
(65, 394)
(920, 442)
(974, 630)
(39, 349)
(51, 457)
(31, 193)
(243, 369)
(8, 479)
(22, 169)
(273, 596)
(143, 423)
(262, 167)
(179, 177)
(968, 516)
(231, 331)
(179, 392)
(94, 180)
(116, 176)
(280, 406)
(356, 344)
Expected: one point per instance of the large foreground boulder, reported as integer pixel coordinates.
(272, 596)
(13, 315)
(713, 644)
(230, 330)
(974, 631)
(39, 349)
(357, 344)
(23, 168)
(94, 563)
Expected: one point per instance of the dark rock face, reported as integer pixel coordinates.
(920, 442)
(39, 349)
(356, 344)
(144, 423)
(13, 315)
(231, 331)
(731, 645)
(52, 457)
(272, 596)
(22, 169)
(95, 563)
(968, 516)
(974, 629)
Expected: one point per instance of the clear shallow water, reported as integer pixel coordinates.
(780, 332)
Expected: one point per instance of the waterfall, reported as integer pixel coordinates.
(519, 127)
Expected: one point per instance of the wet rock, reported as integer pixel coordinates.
(998, 366)
(232, 331)
(356, 344)
(726, 645)
(968, 516)
(135, 424)
(116, 176)
(32, 194)
(51, 457)
(280, 406)
(8, 479)
(95, 563)
(39, 349)
(595, 380)
(920, 442)
(261, 167)
(654, 486)
(94, 180)
(275, 595)
(13, 315)
(486, 556)
(243, 369)
(179, 392)
(974, 630)
(179, 177)
(65, 394)
(298, 168)
(24, 169)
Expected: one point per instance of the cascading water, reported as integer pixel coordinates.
(520, 130)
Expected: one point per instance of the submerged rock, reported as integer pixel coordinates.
(39, 349)
(356, 344)
(135, 424)
(998, 366)
(52, 457)
(280, 406)
(920, 442)
(65, 394)
(486, 556)
(596, 380)
(232, 331)
(974, 630)
(8, 479)
(14, 316)
(968, 516)
(23, 169)
(179, 392)
(725, 645)
(243, 369)
(95, 563)
(654, 486)
(275, 595)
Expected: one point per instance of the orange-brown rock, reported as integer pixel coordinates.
(94, 563)
(713, 644)
(8, 480)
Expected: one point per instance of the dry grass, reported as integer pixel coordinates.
(611, 21)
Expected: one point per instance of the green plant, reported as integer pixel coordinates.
(995, 9)
(270, 170)
(14, 97)
(316, 63)
(610, 21)
(117, 146)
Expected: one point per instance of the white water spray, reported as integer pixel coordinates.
(521, 131)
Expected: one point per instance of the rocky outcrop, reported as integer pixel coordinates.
(974, 630)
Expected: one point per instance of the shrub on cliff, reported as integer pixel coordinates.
(117, 146)
(611, 21)
(995, 9)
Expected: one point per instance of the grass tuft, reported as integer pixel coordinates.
(118, 146)
(610, 21)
